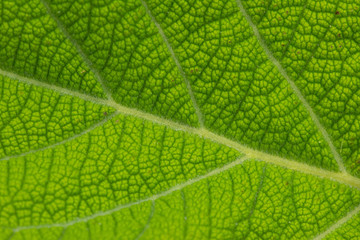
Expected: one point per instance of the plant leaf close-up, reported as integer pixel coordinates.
(179, 119)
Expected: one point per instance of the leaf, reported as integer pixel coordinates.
(149, 119)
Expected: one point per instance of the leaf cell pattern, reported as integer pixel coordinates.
(181, 119)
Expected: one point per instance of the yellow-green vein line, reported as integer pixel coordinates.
(83, 55)
(176, 60)
(341, 177)
(295, 89)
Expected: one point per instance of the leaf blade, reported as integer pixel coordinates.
(147, 175)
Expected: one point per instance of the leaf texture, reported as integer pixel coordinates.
(179, 119)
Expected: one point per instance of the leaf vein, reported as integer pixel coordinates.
(338, 224)
(152, 211)
(294, 87)
(92, 127)
(127, 205)
(340, 177)
(177, 63)
(83, 55)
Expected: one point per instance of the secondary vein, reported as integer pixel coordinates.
(176, 60)
(127, 205)
(92, 127)
(295, 89)
(83, 55)
(339, 223)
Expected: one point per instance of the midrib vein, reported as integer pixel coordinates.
(83, 55)
(341, 177)
(292, 84)
(339, 223)
(177, 63)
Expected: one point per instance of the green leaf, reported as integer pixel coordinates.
(150, 119)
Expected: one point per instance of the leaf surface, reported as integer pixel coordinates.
(149, 119)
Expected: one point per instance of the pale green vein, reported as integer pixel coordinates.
(292, 84)
(341, 177)
(152, 198)
(148, 221)
(79, 49)
(92, 127)
(256, 196)
(339, 223)
(55, 88)
(176, 60)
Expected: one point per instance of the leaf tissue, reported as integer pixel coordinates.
(179, 119)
